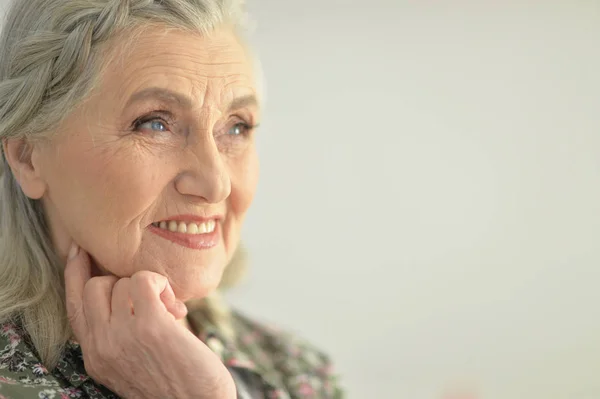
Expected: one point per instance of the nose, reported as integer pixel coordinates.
(205, 175)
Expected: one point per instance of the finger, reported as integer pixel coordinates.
(121, 304)
(146, 289)
(173, 305)
(97, 297)
(77, 274)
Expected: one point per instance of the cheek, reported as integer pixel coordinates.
(244, 179)
(100, 196)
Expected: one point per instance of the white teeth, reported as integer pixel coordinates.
(192, 228)
(203, 229)
(187, 228)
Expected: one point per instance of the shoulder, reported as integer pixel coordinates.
(302, 365)
(288, 346)
(22, 375)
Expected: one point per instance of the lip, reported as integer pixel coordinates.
(191, 241)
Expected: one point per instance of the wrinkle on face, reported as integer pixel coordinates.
(108, 182)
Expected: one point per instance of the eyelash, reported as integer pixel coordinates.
(158, 116)
(165, 118)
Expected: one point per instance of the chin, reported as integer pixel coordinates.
(197, 293)
(194, 274)
(198, 286)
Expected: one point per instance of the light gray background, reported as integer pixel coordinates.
(429, 209)
(429, 206)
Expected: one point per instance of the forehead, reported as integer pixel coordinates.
(214, 67)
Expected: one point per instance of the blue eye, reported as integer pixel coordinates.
(157, 122)
(238, 129)
(155, 125)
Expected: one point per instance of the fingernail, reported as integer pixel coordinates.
(182, 306)
(73, 251)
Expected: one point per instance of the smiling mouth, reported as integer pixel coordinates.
(194, 235)
(187, 227)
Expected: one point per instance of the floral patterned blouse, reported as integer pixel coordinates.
(264, 363)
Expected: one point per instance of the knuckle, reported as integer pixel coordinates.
(96, 284)
(91, 285)
(146, 278)
(122, 284)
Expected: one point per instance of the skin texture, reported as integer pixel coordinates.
(103, 182)
(106, 175)
(131, 340)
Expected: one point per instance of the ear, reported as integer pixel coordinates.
(21, 156)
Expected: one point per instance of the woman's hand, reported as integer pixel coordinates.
(131, 340)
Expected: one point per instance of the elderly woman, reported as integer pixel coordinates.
(128, 165)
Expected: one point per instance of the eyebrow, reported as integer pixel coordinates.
(243, 102)
(177, 98)
(162, 94)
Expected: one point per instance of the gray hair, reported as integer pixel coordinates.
(51, 53)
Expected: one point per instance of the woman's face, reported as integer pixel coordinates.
(164, 143)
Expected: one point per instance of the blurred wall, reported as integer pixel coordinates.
(429, 209)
